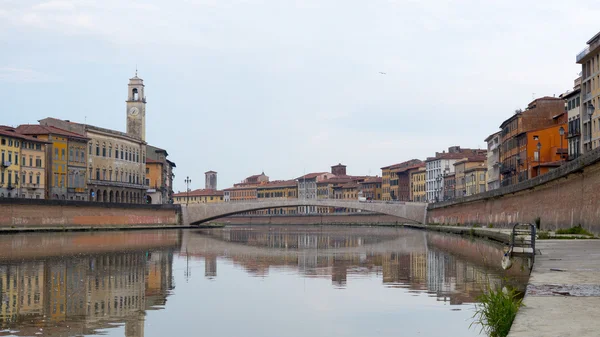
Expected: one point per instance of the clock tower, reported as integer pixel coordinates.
(136, 108)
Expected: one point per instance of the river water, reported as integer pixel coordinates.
(247, 281)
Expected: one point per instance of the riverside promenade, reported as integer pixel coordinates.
(563, 292)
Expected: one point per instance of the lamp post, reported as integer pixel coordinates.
(539, 147)
(188, 181)
(561, 132)
(590, 112)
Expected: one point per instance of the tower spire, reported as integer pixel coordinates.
(136, 70)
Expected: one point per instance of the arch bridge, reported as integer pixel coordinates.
(193, 214)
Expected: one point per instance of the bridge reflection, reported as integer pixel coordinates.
(86, 290)
(451, 268)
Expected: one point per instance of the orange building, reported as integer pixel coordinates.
(552, 149)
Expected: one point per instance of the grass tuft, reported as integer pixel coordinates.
(496, 311)
(574, 230)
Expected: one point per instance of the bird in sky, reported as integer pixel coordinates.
(382, 73)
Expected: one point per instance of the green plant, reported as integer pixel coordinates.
(543, 235)
(476, 225)
(496, 311)
(574, 230)
(490, 225)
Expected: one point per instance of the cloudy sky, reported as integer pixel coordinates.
(242, 86)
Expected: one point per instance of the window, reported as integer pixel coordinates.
(23, 178)
(117, 152)
(38, 161)
(17, 158)
(10, 156)
(23, 162)
(70, 154)
(62, 154)
(37, 179)
(97, 149)
(56, 153)
(147, 170)
(103, 150)
(90, 152)
(30, 178)
(110, 150)
(97, 174)
(147, 182)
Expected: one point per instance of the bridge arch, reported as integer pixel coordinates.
(193, 214)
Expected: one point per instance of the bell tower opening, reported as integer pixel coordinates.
(134, 94)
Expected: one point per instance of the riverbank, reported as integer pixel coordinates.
(563, 292)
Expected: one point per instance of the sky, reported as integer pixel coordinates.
(288, 87)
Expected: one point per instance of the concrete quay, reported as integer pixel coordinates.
(563, 292)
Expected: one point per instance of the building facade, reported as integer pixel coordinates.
(370, 188)
(462, 169)
(573, 107)
(493, 161)
(390, 179)
(199, 196)
(475, 178)
(443, 164)
(22, 165)
(540, 113)
(116, 160)
(307, 189)
(589, 58)
(278, 190)
(159, 176)
(417, 184)
(67, 161)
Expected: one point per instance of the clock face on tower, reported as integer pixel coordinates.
(134, 111)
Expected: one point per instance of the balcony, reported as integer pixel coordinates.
(117, 184)
(5, 164)
(582, 54)
(31, 186)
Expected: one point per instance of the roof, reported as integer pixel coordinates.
(447, 156)
(371, 180)
(278, 183)
(242, 187)
(88, 127)
(405, 163)
(9, 132)
(471, 159)
(350, 185)
(35, 129)
(492, 136)
(152, 161)
(209, 172)
(312, 175)
(199, 193)
(408, 168)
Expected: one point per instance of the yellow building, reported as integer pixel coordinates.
(67, 161)
(461, 167)
(417, 185)
(389, 176)
(475, 180)
(22, 165)
(278, 190)
(199, 196)
(371, 188)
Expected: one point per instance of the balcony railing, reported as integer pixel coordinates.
(118, 184)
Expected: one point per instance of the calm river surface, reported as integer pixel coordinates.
(246, 281)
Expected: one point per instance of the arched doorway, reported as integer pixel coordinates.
(148, 199)
(111, 196)
(104, 196)
(99, 195)
(92, 195)
(127, 197)
(117, 197)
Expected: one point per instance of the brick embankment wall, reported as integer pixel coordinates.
(565, 197)
(49, 214)
(332, 219)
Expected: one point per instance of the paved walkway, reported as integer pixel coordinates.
(563, 295)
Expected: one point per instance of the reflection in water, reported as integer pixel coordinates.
(454, 268)
(117, 283)
(76, 295)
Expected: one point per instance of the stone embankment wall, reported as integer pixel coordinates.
(53, 214)
(565, 197)
(325, 219)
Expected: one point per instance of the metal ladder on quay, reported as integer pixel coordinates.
(522, 242)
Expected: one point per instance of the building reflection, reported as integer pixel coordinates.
(79, 295)
(455, 269)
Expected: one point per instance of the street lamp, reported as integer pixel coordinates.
(539, 147)
(188, 181)
(561, 132)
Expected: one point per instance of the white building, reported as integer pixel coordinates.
(443, 163)
(307, 189)
(493, 161)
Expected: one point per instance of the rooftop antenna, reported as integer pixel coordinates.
(136, 70)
